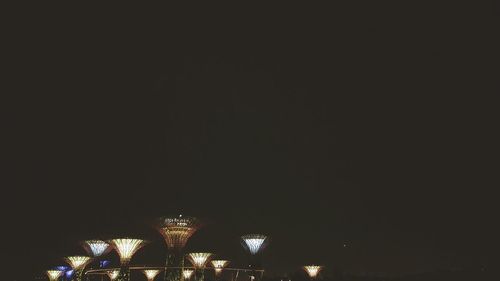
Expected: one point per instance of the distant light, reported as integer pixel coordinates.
(199, 259)
(219, 265)
(104, 263)
(151, 273)
(96, 247)
(63, 268)
(253, 242)
(186, 273)
(54, 274)
(69, 273)
(78, 262)
(112, 274)
(312, 270)
(126, 248)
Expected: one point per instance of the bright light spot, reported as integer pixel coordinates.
(151, 273)
(54, 274)
(113, 274)
(219, 265)
(77, 262)
(254, 242)
(186, 273)
(97, 247)
(126, 248)
(312, 270)
(199, 259)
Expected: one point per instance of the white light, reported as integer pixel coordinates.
(199, 259)
(126, 248)
(312, 270)
(97, 247)
(219, 265)
(150, 273)
(54, 274)
(186, 273)
(77, 262)
(112, 274)
(254, 242)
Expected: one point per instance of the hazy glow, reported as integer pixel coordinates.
(97, 247)
(177, 231)
(186, 273)
(112, 274)
(126, 248)
(254, 242)
(54, 274)
(151, 273)
(199, 259)
(219, 265)
(77, 262)
(312, 270)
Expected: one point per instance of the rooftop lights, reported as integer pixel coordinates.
(253, 242)
(199, 259)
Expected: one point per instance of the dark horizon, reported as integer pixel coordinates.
(354, 140)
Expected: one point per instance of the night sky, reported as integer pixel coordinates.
(354, 137)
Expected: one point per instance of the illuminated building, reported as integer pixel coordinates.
(312, 270)
(54, 274)
(219, 265)
(78, 263)
(126, 248)
(176, 231)
(151, 273)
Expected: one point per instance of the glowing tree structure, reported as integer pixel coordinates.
(78, 263)
(187, 273)
(126, 248)
(113, 274)
(96, 248)
(176, 231)
(199, 260)
(151, 273)
(219, 266)
(254, 243)
(54, 274)
(312, 270)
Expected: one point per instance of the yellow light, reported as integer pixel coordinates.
(312, 270)
(113, 274)
(151, 273)
(219, 265)
(54, 274)
(126, 248)
(199, 259)
(186, 273)
(77, 262)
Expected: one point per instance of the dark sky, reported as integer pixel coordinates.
(354, 125)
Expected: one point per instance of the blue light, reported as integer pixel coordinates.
(104, 263)
(69, 273)
(62, 268)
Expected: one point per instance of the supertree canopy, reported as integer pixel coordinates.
(199, 260)
(77, 262)
(151, 273)
(96, 248)
(177, 230)
(312, 270)
(54, 274)
(219, 265)
(112, 274)
(126, 248)
(253, 242)
(187, 273)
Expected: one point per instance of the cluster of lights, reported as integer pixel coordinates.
(186, 273)
(199, 260)
(177, 231)
(54, 274)
(96, 247)
(112, 274)
(219, 265)
(253, 242)
(312, 270)
(151, 273)
(77, 262)
(126, 248)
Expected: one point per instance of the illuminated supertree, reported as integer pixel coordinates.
(187, 273)
(96, 248)
(112, 274)
(176, 231)
(199, 260)
(254, 244)
(126, 248)
(219, 266)
(78, 263)
(150, 273)
(312, 270)
(54, 274)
